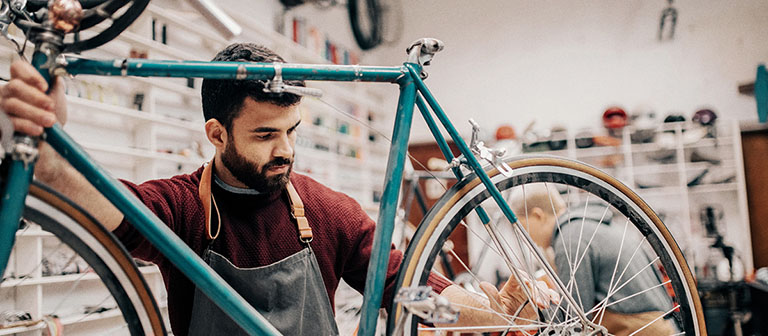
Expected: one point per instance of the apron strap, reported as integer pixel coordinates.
(212, 215)
(297, 212)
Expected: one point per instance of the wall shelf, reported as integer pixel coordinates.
(665, 166)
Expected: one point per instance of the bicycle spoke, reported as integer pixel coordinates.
(71, 290)
(607, 297)
(597, 202)
(618, 259)
(28, 276)
(654, 320)
(481, 302)
(506, 316)
(522, 245)
(631, 296)
(586, 250)
(521, 328)
(100, 304)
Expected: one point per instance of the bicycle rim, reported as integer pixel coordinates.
(365, 19)
(457, 206)
(77, 273)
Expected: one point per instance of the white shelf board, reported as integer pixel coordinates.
(162, 84)
(593, 151)
(57, 279)
(141, 153)
(133, 113)
(710, 142)
(33, 233)
(714, 188)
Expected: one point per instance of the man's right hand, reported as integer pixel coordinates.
(25, 101)
(31, 110)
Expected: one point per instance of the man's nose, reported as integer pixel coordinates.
(284, 148)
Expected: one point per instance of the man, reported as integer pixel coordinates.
(563, 233)
(237, 211)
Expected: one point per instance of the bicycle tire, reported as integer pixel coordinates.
(461, 199)
(366, 37)
(115, 268)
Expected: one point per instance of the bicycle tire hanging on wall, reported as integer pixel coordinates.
(366, 22)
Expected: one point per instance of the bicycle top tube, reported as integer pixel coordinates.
(233, 70)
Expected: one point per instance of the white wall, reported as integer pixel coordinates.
(562, 62)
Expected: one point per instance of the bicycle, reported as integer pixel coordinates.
(462, 203)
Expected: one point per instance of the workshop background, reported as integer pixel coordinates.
(658, 93)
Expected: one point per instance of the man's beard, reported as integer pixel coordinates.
(249, 174)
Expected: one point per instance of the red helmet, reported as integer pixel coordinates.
(505, 132)
(614, 117)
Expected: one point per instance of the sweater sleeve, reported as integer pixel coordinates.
(359, 254)
(163, 198)
(358, 257)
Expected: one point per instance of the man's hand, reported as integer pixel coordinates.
(25, 101)
(474, 309)
(31, 110)
(512, 296)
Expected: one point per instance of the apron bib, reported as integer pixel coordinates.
(290, 293)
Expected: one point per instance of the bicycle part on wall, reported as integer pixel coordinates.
(365, 16)
(668, 14)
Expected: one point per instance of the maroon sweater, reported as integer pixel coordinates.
(256, 231)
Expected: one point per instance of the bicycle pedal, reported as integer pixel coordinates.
(426, 304)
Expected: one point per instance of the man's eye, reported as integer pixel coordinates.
(264, 137)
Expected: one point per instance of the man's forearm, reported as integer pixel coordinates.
(55, 171)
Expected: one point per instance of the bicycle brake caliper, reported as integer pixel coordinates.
(491, 155)
(426, 304)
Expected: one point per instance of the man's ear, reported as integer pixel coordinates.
(216, 133)
(537, 213)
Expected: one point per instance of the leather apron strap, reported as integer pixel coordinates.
(297, 212)
(209, 203)
(213, 217)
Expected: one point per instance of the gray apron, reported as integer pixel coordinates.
(290, 293)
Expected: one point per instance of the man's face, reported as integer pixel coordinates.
(260, 145)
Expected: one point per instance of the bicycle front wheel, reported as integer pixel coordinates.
(645, 289)
(68, 274)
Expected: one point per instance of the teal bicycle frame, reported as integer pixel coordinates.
(413, 91)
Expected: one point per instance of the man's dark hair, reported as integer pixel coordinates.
(223, 98)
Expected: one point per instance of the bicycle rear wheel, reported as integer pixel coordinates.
(68, 272)
(646, 250)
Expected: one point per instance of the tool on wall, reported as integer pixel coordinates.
(668, 14)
